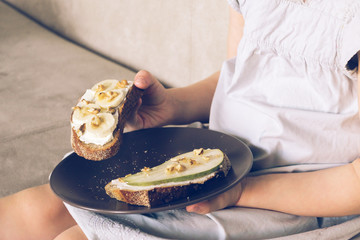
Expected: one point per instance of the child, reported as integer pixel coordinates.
(290, 89)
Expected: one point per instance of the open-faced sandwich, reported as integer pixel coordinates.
(98, 119)
(178, 177)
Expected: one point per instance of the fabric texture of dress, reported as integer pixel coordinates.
(288, 91)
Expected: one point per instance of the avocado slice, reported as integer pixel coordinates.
(184, 167)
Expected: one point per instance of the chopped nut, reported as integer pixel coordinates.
(85, 101)
(101, 95)
(96, 121)
(175, 167)
(94, 110)
(100, 88)
(122, 84)
(170, 169)
(111, 110)
(111, 95)
(198, 151)
(146, 169)
(188, 161)
(180, 168)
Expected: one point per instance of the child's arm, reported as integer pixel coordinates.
(199, 108)
(235, 32)
(330, 192)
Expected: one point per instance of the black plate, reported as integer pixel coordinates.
(80, 182)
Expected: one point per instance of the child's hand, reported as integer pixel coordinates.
(176, 106)
(226, 199)
(154, 108)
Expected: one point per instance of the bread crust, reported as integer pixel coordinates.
(163, 195)
(95, 152)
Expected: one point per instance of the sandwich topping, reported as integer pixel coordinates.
(192, 167)
(95, 117)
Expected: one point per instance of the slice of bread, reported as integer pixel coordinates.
(165, 193)
(98, 147)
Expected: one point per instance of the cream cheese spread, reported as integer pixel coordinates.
(95, 117)
(124, 186)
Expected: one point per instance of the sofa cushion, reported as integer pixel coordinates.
(42, 76)
(179, 41)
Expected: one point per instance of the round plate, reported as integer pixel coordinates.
(80, 182)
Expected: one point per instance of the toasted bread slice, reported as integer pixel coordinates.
(175, 186)
(100, 146)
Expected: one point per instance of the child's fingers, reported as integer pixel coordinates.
(143, 79)
(226, 199)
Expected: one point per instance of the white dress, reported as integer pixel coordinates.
(288, 91)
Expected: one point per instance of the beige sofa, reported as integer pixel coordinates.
(51, 51)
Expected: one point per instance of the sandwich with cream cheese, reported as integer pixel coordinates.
(98, 119)
(178, 177)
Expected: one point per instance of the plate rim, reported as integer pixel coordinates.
(169, 206)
